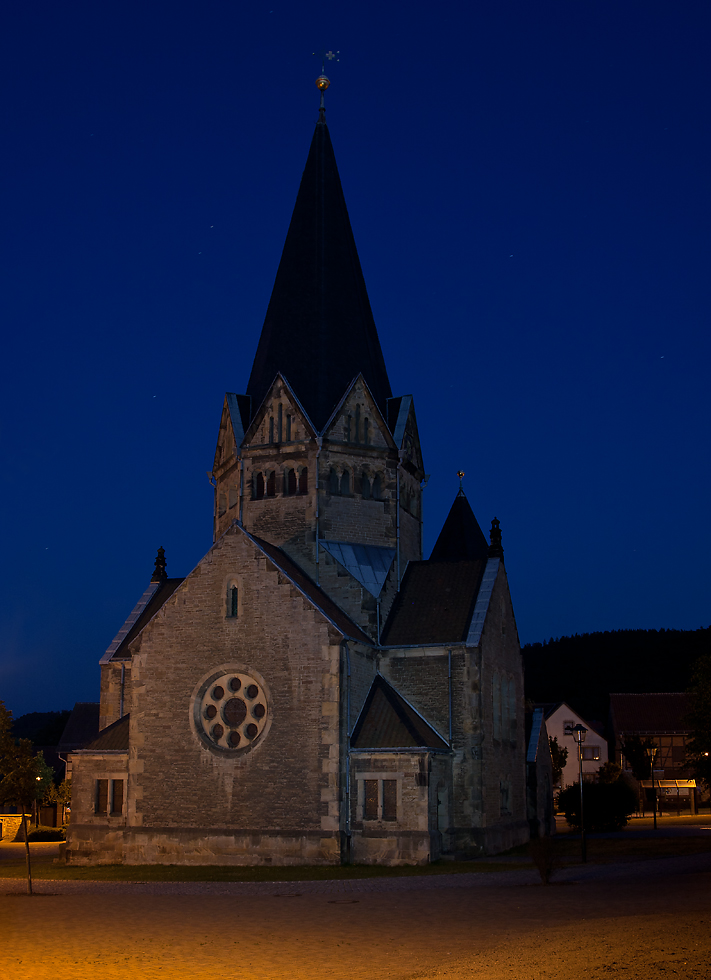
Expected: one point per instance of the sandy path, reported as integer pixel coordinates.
(629, 925)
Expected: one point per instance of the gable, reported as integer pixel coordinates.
(387, 720)
(357, 420)
(279, 419)
(403, 423)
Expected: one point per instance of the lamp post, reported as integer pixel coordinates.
(651, 751)
(579, 733)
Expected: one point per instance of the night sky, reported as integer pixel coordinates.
(528, 185)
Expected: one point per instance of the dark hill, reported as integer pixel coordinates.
(585, 669)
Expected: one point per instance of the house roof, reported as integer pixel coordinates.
(343, 623)
(461, 538)
(319, 329)
(113, 738)
(649, 713)
(82, 726)
(388, 721)
(435, 603)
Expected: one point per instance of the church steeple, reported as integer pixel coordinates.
(461, 538)
(319, 329)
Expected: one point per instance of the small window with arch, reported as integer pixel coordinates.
(271, 484)
(289, 482)
(258, 486)
(365, 488)
(304, 480)
(232, 602)
(345, 483)
(333, 483)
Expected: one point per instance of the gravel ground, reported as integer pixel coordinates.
(642, 921)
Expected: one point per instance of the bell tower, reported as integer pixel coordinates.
(318, 457)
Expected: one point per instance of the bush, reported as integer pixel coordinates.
(542, 852)
(45, 834)
(607, 806)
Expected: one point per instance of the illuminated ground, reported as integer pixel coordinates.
(644, 920)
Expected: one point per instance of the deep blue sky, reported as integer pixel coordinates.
(528, 185)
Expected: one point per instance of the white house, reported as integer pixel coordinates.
(560, 721)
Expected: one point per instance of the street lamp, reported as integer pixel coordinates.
(579, 733)
(651, 751)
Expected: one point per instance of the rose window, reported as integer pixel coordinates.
(232, 711)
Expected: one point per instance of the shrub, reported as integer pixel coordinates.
(607, 806)
(46, 834)
(542, 852)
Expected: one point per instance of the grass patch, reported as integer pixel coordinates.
(174, 872)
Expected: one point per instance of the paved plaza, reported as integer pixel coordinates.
(646, 920)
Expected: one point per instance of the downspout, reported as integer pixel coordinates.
(319, 443)
(241, 487)
(348, 753)
(123, 681)
(397, 525)
(449, 683)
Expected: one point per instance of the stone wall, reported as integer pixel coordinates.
(284, 789)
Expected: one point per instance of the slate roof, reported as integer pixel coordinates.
(113, 738)
(319, 329)
(82, 726)
(313, 592)
(649, 713)
(148, 605)
(388, 721)
(461, 538)
(435, 603)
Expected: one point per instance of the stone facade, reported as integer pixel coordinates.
(230, 699)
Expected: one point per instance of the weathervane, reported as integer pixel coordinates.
(322, 82)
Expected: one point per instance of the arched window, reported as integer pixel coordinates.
(289, 482)
(365, 486)
(366, 431)
(357, 424)
(222, 504)
(280, 423)
(271, 430)
(349, 422)
(258, 486)
(345, 483)
(377, 490)
(232, 601)
(333, 482)
(271, 484)
(304, 480)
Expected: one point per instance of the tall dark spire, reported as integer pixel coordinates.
(319, 329)
(461, 538)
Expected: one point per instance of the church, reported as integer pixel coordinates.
(313, 691)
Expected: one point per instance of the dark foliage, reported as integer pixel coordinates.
(699, 746)
(607, 806)
(41, 727)
(559, 757)
(584, 669)
(634, 750)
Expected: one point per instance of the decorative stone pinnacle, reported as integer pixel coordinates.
(495, 548)
(159, 572)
